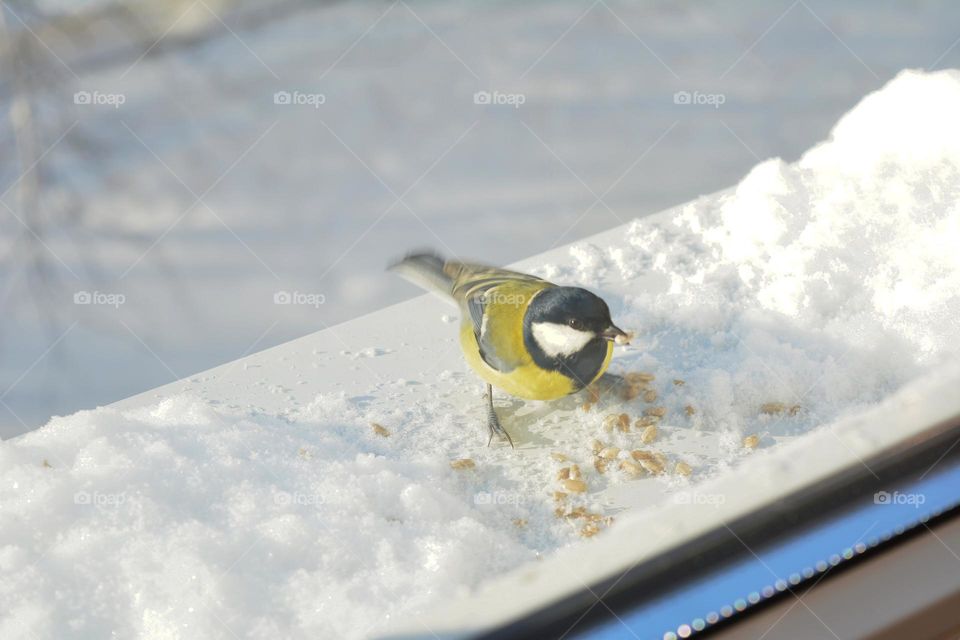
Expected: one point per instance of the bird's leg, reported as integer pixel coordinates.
(493, 423)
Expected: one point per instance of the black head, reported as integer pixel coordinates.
(562, 320)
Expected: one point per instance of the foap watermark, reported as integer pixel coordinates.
(698, 98)
(98, 499)
(99, 298)
(885, 497)
(499, 98)
(299, 98)
(499, 298)
(298, 499)
(498, 498)
(98, 98)
(299, 298)
(699, 498)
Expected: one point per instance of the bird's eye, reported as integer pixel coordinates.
(575, 324)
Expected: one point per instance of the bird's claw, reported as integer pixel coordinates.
(495, 428)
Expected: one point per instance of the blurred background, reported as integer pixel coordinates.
(185, 182)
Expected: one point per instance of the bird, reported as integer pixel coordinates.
(521, 334)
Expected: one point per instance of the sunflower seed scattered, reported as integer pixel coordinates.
(610, 421)
(649, 434)
(653, 466)
(574, 485)
(631, 467)
(776, 408)
(609, 453)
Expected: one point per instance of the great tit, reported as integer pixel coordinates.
(522, 334)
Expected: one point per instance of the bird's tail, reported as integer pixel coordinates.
(427, 270)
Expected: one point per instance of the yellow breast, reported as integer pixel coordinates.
(526, 380)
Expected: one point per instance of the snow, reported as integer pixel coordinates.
(698, 509)
(257, 499)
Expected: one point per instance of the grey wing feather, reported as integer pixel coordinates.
(476, 305)
(466, 283)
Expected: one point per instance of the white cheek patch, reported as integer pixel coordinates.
(559, 339)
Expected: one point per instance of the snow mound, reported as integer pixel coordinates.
(182, 521)
(823, 285)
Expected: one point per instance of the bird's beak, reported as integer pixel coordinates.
(613, 334)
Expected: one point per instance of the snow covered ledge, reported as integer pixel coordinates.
(256, 499)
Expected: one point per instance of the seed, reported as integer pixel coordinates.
(574, 486)
(586, 406)
(652, 462)
(590, 529)
(596, 446)
(593, 395)
(689, 410)
(774, 408)
(623, 422)
(574, 472)
(559, 496)
(578, 512)
(559, 457)
(463, 463)
(610, 421)
(631, 467)
(655, 411)
(683, 469)
(631, 391)
(600, 465)
(563, 474)
(380, 430)
(46, 464)
(646, 421)
(639, 376)
(609, 453)
(678, 382)
(519, 523)
(650, 396)
(653, 466)
(649, 434)
(751, 441)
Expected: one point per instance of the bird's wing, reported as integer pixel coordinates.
(469, 278)
(496, 307)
